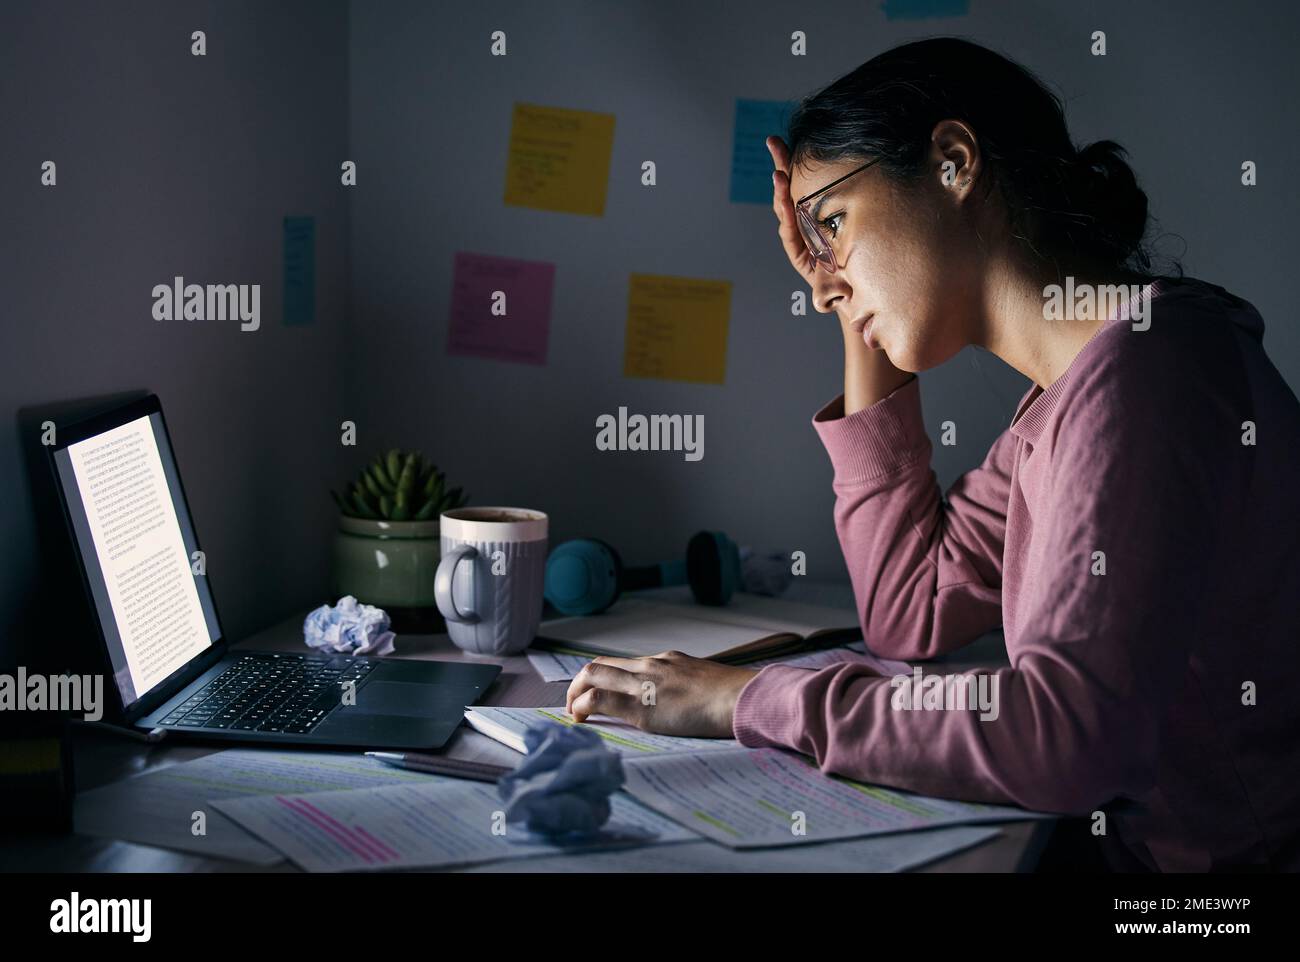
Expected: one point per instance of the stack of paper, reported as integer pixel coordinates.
(748, 798)
(329, 812)
(169, 807)
(438, 823)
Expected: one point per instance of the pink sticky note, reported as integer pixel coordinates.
(482, 287)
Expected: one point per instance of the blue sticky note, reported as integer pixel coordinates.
(299, 271)
(751, 164)
(921, 9)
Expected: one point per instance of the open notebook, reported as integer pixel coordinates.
(750, 627)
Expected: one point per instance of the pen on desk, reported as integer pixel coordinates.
(437, 765)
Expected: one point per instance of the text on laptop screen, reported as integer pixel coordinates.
(137, 542)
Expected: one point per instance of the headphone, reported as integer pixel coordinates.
(586, 576)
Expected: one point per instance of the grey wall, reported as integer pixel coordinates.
(1192, 88)
(172, 164)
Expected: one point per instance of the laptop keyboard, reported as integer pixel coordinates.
(269, 692)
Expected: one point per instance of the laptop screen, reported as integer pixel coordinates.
(138, 549)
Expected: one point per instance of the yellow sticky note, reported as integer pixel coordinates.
(677, 328)
(559, 159)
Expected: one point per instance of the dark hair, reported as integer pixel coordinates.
(1067, 206)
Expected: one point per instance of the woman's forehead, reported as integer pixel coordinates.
(810, 175)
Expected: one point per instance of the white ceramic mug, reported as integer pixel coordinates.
(490, 580)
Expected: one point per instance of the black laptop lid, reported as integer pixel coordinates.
(139, 555)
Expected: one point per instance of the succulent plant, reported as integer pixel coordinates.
(399, 486)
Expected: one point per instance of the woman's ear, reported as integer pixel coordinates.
(955, 155)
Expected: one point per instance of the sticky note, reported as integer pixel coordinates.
(559, 159)
(921, 9)
(751, 164)
(677, 328)
(500, 308)
(299, 271)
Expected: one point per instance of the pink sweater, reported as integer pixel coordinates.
(1164, 691)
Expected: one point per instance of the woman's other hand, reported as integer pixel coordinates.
(783, 206)
(670, 693)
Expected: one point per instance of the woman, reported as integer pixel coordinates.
(1134, 531)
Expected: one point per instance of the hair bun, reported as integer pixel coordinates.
(1107, 191)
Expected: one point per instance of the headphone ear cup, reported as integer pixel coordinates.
(712, 567)
(617, 560)
(583, 577)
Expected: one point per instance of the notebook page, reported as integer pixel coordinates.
(645, 628)
(775, 615)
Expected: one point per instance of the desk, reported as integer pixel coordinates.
(102, 758)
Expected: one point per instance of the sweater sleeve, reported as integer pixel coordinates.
(1103, 651)
(927, 575)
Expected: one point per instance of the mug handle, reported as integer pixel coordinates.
(443, 580)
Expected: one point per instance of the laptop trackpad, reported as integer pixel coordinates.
(403, 698)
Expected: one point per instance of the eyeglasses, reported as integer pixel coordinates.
(818, 243)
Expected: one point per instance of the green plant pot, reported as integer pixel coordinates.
(390, 564)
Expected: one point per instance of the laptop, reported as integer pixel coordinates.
(134, 540)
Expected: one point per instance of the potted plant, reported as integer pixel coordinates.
(386, 550)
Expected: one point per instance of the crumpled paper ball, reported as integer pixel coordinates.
(563, 785)
(349, 628)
